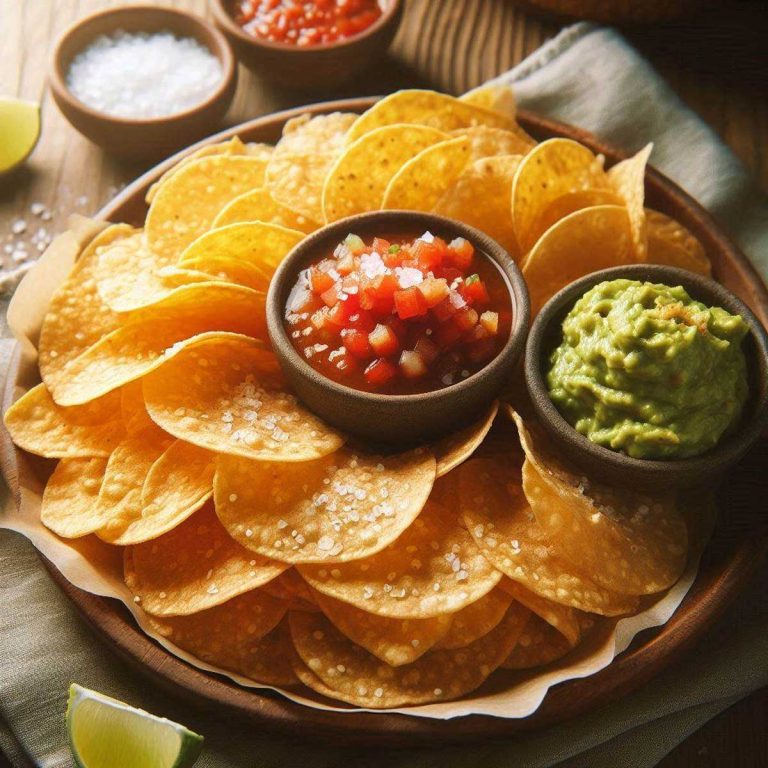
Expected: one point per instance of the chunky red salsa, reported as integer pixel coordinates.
(399, 315)
(306, 22)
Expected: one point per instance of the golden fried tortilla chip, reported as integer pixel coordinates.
(434, 110)
(259, 205)
(480, 198)
(497, 98)
(358, 180)
(185, 205)
(670, 243)
(586, 241)
(539, 644)
(226, 394)
(476, 620)
(69, 501)
(155, 334)
(627, 179)
(552, 169)
(434, 567)
(337, 508)
(295, 180)
(498, 516)
(36, 424)
(333, 665)
(394, 641)
(422, 181)
(246, 635)
(194, 567)
(454, 449)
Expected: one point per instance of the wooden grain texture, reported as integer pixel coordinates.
(716, 63)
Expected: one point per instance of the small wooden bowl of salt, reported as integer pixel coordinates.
(142, 81)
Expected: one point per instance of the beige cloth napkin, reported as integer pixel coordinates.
(588, 76)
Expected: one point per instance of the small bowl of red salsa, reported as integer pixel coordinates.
(308, 42)
(398, 326)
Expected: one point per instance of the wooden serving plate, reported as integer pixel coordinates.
(738, 547)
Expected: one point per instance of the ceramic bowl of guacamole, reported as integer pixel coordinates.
(648, 375)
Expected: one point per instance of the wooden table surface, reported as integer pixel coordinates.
(716, 62)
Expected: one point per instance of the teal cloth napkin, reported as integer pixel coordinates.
(582, 76)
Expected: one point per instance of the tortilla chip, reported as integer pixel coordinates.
(292, 590)
(185, 205)
(553, 168)
(476, 620)
(571, 202)
(456, 448)
(627, 179)
(422, 181)
(157, 333)
(629, 542)
(334, 666)
(584, 242)
(670, 243)
(68, 507)
(394, 641)
(358, 179)
(341, 507)
(434, 567)
(497, 98)
(38, 425)
(77, 316)
(134, 412)
(225, 394)
(179, 482)
(489, 142)
(194, 567)
(233, 146)
(249, 248)
(502, 524)
(480, 198)
(321, 133)
(245, 635)
(259, 205)
(434, 110)
(539, 644)
(296, 181)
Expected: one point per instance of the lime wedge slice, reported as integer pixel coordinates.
(19, 131)
(106, 733)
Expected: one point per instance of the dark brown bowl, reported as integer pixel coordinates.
(329, 64)
(395, 419)
(618, 468)
(151, 137)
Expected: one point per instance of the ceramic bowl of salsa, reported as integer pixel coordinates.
(699, 388)
(396, 326)
(310, 44)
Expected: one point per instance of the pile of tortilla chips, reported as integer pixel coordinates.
(253, 536)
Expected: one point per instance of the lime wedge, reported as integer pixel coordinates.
(106, 733)
(19, 131)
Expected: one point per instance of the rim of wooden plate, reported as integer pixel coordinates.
(723, 574)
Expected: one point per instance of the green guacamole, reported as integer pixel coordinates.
(645, 369)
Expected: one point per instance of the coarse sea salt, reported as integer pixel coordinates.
(143, 75)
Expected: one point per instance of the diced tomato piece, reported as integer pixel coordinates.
(338, 315)
(393, 256)
(362, 321)
(319, 280)
(304, 301)
(331, 296)
(449, 274)
(380, 372)
(474, 291)
(380, 245)
(356, 343)
(427, 349)
(481, 351)
(444, 310)
(434, 290)
(465, 319)
(429, 255)
(379, 293)
(383, 340)
(412, 365)
(490, 321)
(460, 253)
(410, 303)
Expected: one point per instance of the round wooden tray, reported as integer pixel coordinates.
(735, 552)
